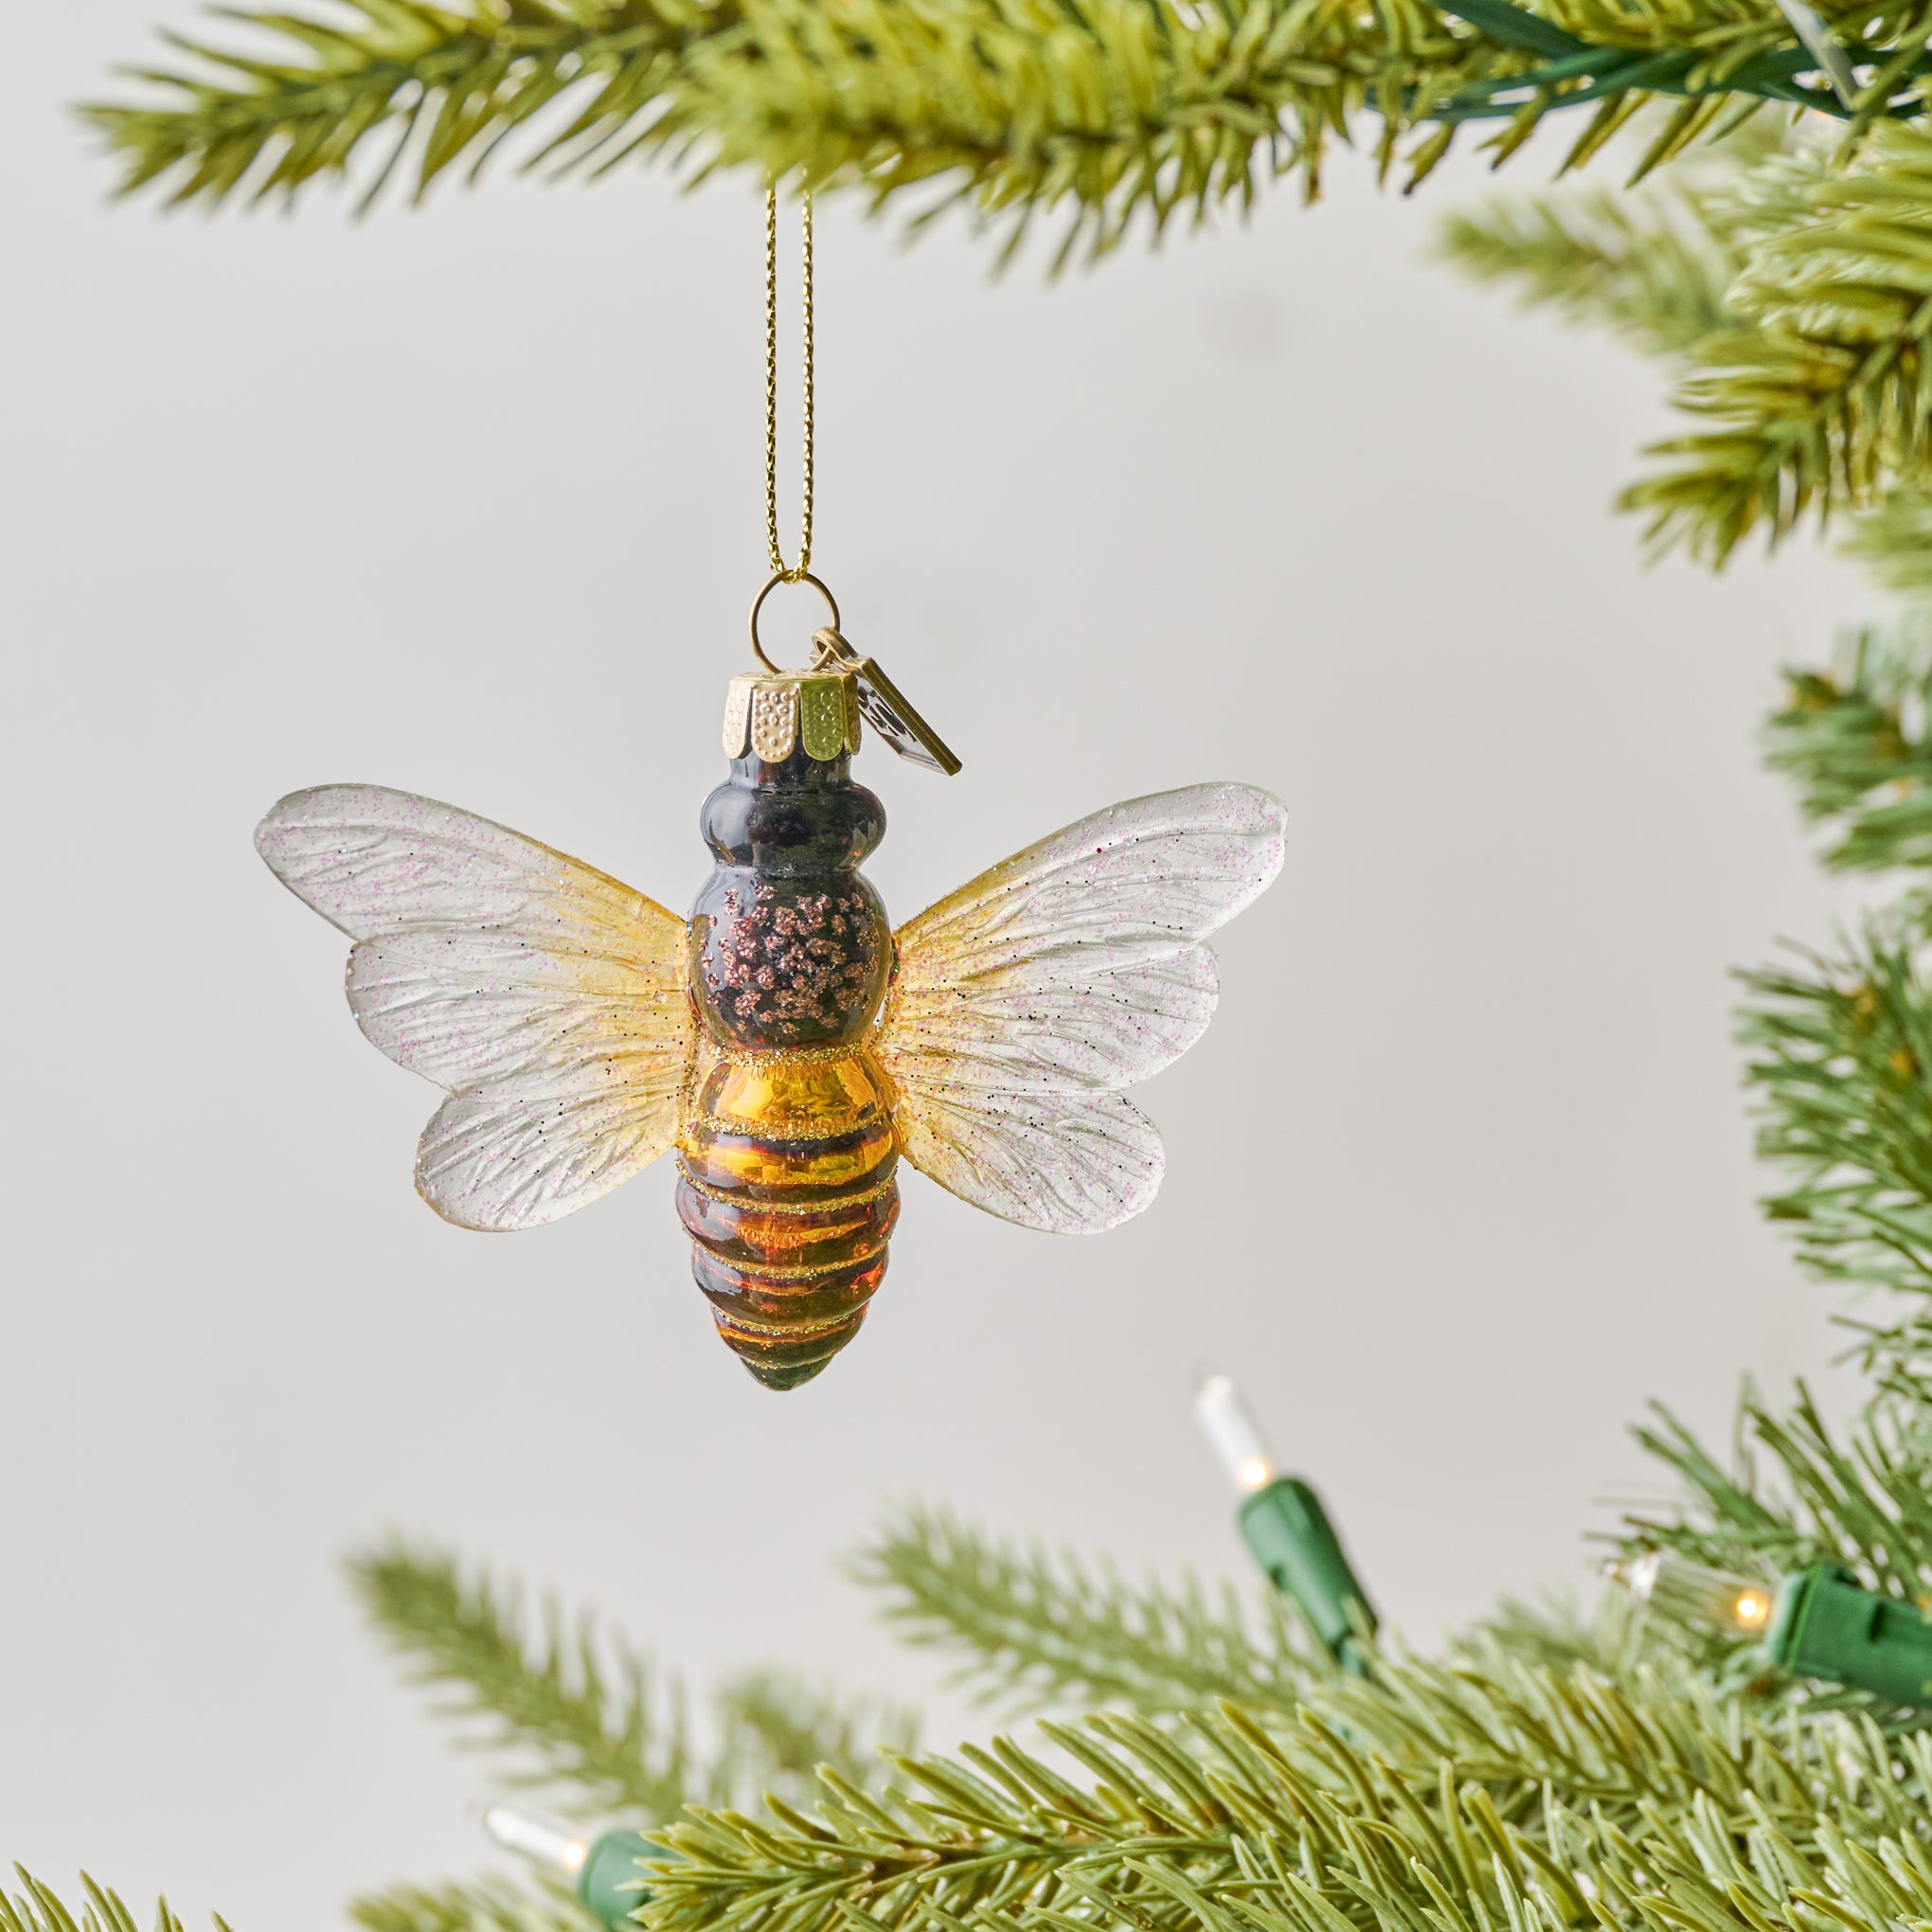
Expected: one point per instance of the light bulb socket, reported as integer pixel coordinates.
(1827, 1625)
(605, 1871)
(1288, 1533)
(611, 1882)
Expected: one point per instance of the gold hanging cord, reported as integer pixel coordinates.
(799, 572)
(879, 700)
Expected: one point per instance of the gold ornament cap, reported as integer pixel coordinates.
(820, 708)
(770, 714)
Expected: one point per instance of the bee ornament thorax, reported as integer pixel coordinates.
(790, 944)
(787, 1145)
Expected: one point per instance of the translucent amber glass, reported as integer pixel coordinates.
(788, 1195)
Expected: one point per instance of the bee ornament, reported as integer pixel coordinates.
(785, 1040)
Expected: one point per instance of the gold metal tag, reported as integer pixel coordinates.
(886, 709)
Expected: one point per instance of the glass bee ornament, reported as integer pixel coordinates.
(785, 1040)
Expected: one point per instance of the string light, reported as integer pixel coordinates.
(1821, 1622)
(605, 1871)
(1689, 1593)
(1283, 1524)
(1235, 1436)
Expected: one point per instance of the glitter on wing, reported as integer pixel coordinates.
(547, 996)
(1074, 969)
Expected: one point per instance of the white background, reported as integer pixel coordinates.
(467, 501)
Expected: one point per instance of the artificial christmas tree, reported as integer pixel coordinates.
(1646, 1766)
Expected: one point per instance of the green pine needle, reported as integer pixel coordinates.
(37, 1907)
(1648, 264)
(1033, 1627)
(1411, 1806)
(1860, 1502)
(1839, 1057)
(1105, 111)
(776, 1732)
(1853, 741)
(580, 1709)
(1821, 397)
(1793, 302)
(1894, 542)
(489, 1904)
(442, 85)
(1108, 109)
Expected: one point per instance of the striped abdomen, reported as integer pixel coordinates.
(786, 1189)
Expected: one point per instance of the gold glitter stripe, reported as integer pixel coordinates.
(788, 1056)
(782, 1332)
(778, 1132)
(826, 1205)
(792, 1271)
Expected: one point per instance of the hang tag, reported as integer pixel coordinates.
(885, 709)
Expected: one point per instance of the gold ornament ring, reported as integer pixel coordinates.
(777, 578)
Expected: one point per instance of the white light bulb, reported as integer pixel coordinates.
(1236, 1436)
(1637, 1574)
(544, 1843)
(1689, 1592)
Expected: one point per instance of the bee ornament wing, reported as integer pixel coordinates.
(1023, 1003)
(547, 997)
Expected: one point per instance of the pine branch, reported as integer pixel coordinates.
(1853, 742)
(1841, 1066)
(442, 83)
(580, 1706)
(1894, 542)
(776, 1732)
(1552, 1632)
(1839, 1057)
(1863, 1504)
(1687, 1816)
(486, 1905)
(1822, 397)
(1035, 1627)
(1123, 105)
(1648, 266)
(1030, 1626)
(36, 1909)
(1107, 109)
